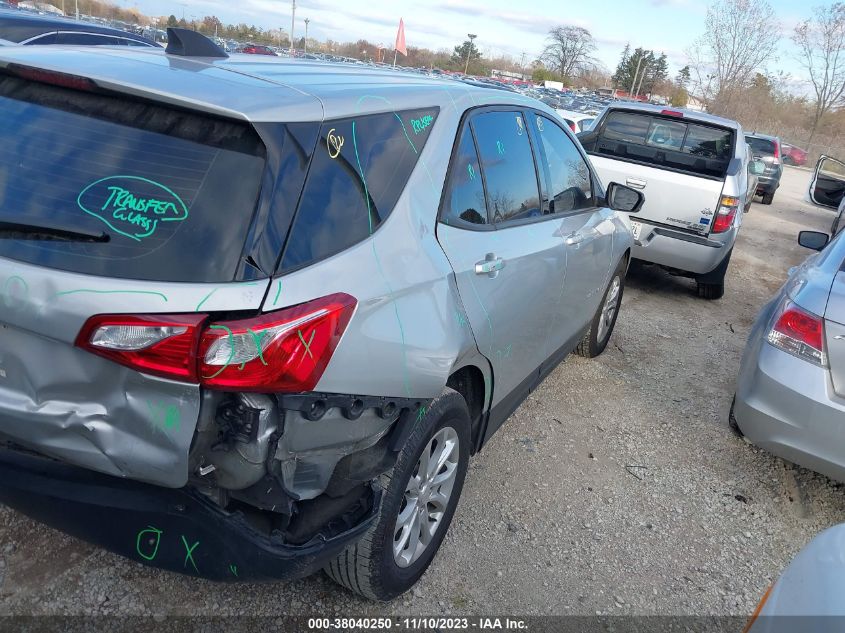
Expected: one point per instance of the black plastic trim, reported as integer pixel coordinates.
(188, 43)
(174, 529)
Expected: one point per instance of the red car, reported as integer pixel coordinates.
(793, 155)
(256, 49)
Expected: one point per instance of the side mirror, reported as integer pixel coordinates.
(622, 198)
(814, 240)
(757, 167)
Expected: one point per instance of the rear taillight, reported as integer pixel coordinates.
(728, 206)
(162, 345)
(674, 113)
(283, 351)
(287, 350)
(799, 333)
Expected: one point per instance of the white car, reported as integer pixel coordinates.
(577, 121)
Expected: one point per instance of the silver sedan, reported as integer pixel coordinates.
(790, 397)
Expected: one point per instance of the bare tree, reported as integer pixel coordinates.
(740, 36)
(821, 40)
(569, 50)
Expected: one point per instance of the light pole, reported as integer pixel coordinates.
(471, 37)
(307, 20)
(77, 10)
(292, 18)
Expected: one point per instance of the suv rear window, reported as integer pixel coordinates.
(359, 170)
(665, 142)
(174, 191)
(761, 146)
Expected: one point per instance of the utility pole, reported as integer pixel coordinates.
(77, 10)
(471, 37)
(645, 70)
(307, 20)
(636, 72)
(292, 18)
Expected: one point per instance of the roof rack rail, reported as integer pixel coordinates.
(188, 43)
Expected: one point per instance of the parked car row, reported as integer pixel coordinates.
(25, 28)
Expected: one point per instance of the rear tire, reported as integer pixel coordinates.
(601, 327)
(711, 286)
(371, 567)
(768, 197)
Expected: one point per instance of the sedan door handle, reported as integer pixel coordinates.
(490, 265)
(636, 183)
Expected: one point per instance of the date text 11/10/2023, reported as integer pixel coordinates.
(417, 624)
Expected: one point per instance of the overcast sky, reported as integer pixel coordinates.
(502, 26)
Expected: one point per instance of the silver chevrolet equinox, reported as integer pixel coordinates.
(256, 315)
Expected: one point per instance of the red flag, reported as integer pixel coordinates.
(400, 39)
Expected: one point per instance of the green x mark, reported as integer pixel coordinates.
(308, 344)
(190, 554)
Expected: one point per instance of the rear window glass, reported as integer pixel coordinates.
(761, 145)
(666, 142)
(360, 168)
(174, 192)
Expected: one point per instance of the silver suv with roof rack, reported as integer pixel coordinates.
(258, 313)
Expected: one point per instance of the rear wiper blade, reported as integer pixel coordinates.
(18, 231)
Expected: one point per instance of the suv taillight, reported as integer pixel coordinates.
(799, 333)
(728, 206)
(286, 350)
(158, 344)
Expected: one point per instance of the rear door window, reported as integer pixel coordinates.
(172, 192)
(665, 142)
(464, 202)
(359, 170)
(508, 165)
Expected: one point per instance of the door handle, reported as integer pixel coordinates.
(636, 183)
(490, 265)
(574, 238)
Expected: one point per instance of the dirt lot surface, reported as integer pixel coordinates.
(616, 488)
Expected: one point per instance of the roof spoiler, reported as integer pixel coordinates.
(188, 43)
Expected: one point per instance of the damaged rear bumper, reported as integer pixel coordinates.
(174, 529)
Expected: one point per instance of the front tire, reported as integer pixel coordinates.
(768, 197)
(420, 494)
(601, 327)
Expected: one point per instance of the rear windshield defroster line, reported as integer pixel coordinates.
(174, 190)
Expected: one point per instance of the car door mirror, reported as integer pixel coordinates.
(814, 240)
(757, 167)
(622, 198)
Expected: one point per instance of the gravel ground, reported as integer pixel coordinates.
(617, 487)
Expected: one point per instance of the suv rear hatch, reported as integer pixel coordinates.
(680, 165)
(765, 150)
(112, 205)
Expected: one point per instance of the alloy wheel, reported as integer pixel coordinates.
(426, 498)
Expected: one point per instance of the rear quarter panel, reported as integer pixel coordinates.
(409, 331)
(75, 406)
